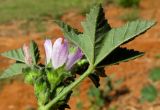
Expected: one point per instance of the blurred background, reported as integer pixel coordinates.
(132, 85)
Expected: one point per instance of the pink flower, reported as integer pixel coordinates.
(48, 50)
(59, 54)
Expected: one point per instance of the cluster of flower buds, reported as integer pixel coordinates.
(50, 80)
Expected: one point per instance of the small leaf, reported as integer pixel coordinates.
(155, 74)
(120, 55)
(17, 55)
(34, 51)
(149, 93)
(14, 69)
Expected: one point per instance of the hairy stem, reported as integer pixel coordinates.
(70, 87)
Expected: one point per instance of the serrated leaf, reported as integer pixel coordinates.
(14, 69)
(120, 55)
(94, 27)
(115, 37)
(98, 39)
(149, 93)
(34, 51)
(17, 55)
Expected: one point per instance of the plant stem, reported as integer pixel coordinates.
(70, 87)
(43, 108)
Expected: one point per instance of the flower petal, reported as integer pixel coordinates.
(72, 58)
(59, 53)
(27, 56)
(48, 50)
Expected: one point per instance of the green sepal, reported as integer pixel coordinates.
(57, 76)
(31, 75)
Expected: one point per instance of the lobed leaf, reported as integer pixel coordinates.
(98, 39)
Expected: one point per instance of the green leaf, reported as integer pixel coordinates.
(17, 55)
(98, 39)
(34, 51)
(120, 55)
(57, 76)
(155, 74)
(116, 37)
(94, 27)
(149, 93)
(14, 69)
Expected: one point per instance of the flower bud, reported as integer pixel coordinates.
(27, 56)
